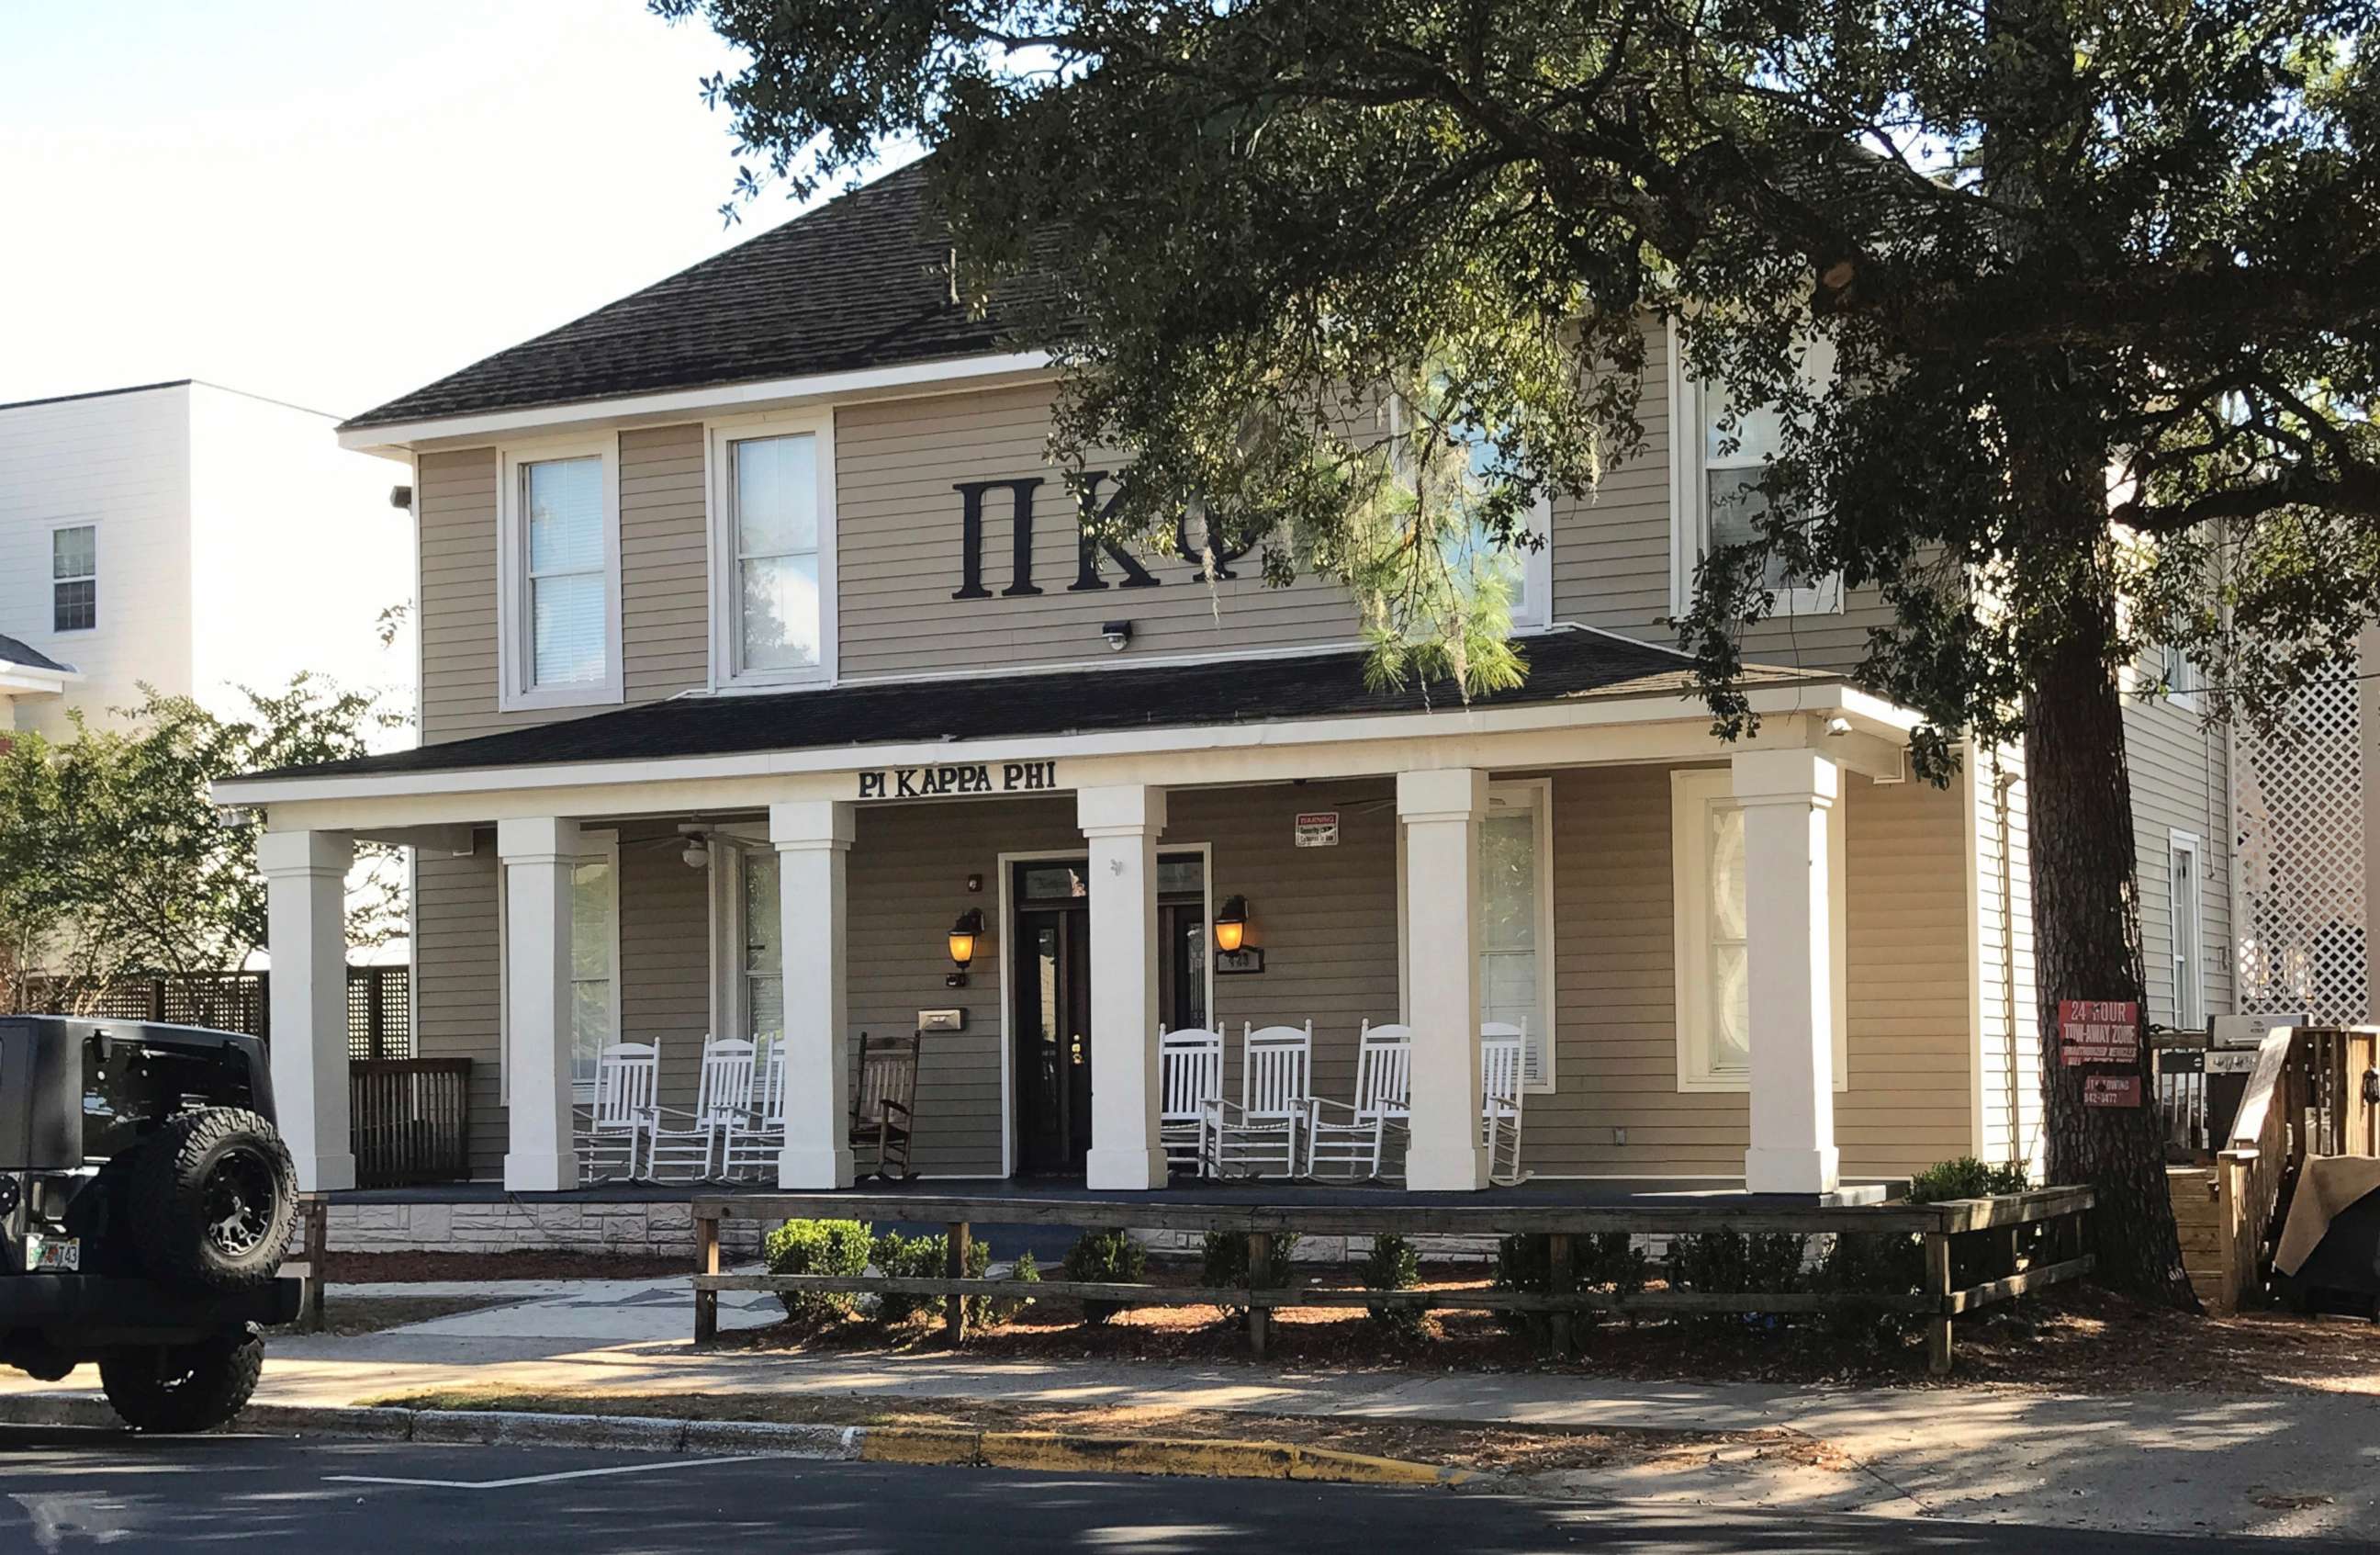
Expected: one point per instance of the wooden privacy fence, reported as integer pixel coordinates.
(1997, 1223)
(2314, 1091)
(411, 1119)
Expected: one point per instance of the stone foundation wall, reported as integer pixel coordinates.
(654, 1230)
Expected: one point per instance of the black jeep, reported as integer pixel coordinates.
(146, 1202)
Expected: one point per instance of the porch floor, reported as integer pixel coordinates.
(1590, 1192)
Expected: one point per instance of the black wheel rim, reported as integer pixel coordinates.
(238, 1203)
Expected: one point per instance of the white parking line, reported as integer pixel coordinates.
(542, 1478)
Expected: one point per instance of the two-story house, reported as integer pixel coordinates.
(759, 649)
(193, 538)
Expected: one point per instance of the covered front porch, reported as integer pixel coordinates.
(1675, 925)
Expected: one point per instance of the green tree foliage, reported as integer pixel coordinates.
(115, 858)
(2067, 258)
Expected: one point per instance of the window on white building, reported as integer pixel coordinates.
(559, 519)
(774, 537)
(74, 578)
(1713, 932)
(2189, 932)
(1720, 455)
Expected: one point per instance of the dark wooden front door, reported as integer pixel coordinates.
(1053, 1023)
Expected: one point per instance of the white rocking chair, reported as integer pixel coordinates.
(1190, 1076)
(688, 1144)
(1257, 1136)
(1354, 1136)
(756, 1136)
(1502, 1049)
(611, 1124)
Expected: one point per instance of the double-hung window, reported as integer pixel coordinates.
(1470, 551)
(2182, 886)
(74, 578)
(559, 576)
(1516, 921)
(773, 544)
(1713, 933)
(1720, 454)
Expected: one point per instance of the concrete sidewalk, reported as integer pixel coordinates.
(2297, 1463)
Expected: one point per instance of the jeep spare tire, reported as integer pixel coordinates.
(214, 1197)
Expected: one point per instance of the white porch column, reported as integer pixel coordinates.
(537, 855)
(1122, 824)
(1786, 795)
(1441, 812)
(813, 843)
(306, 927)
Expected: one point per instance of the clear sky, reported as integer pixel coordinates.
(333, 201)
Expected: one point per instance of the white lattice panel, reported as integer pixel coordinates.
(2297, 802)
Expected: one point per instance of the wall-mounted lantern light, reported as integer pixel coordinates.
(964, 934)
(1231, 924)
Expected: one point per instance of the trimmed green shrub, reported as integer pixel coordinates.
(1725, 1262)
(1106, 1257)
(1881, 1263)
(1611, 1261)
(1005, 1309)
(924, 1257)
(1224, 1263)
(817, 1247)
(1392, 1265)
(1967, 1178)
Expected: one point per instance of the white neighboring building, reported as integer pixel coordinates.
(195, 538)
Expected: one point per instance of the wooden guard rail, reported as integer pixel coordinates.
(411, 1120)
(2306, 1096)
(1997, 1220)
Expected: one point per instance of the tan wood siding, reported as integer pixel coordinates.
(457, 981)
(1907, 1103)
(664, 588)
(2008, 1032)
(899, 554)
(1611, 553)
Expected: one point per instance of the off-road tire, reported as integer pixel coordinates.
(178, 1387)
(214, 1197)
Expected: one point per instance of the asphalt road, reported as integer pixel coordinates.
(70, 1491)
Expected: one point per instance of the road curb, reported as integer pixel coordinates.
(1050, 1452)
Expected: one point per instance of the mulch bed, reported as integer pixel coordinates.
(2075, 1338)
(1503, 1448)
(416, 1268)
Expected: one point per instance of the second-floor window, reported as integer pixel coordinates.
(74, 578)
(560, 582)
(1722, 455)
(772, 603)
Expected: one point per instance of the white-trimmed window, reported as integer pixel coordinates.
(594, 961)
(74, 578)
(1713, 934)
(752, 987)
(1516, 913)
(1528, 574)
(2179, 674)
(773, 544)
(2183, 886)
(558, 564)
(1718, 456)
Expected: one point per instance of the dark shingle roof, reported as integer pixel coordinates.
(1568, 666)
(25, 656)
(862, 280)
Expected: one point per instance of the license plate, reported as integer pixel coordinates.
(54, 1252)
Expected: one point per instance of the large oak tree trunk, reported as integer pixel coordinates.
(2087, 945)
